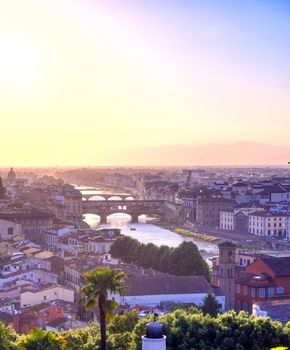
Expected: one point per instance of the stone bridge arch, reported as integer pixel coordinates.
(134, 208)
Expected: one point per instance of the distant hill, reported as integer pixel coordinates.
(238, 153)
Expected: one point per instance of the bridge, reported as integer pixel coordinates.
(108, 196)
(135, 208)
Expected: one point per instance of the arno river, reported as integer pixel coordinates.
(145, 231)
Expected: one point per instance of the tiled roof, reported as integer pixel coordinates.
(155, 285)
(278, 312)
(280, 266)
(6, 318)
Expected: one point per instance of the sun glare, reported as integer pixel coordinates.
(19, 64)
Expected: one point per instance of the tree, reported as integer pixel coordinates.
(38, 339)
(210, 305)
(7, 337)
(83, 338)
(124, 322)
(98, 283)
(186, 260)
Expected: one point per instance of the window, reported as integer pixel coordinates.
(44, 297)
(262, 292)
(245, 290)
(253, 293)
(270, 292)
(280, 290)
(10, 231)
(245, 307)
(238, 288)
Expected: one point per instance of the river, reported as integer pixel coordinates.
(145, 231)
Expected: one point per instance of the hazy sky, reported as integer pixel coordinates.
(80, 79)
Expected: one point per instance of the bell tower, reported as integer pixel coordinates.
(227, 253)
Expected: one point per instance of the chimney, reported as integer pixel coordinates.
(154, 338)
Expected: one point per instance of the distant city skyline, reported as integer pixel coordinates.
(121, 82)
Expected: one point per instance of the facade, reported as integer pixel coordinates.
(241, 222)
(227, 220)
(270, 225)
(264, 282)
(73, 203)
(33, 223)
(30, 297)
(188, 206)
(208, 210)
(9, 229)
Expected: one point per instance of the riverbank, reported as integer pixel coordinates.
(186, 233)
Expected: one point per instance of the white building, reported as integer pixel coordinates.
(227, 220)
(30, 297)
(271, 225)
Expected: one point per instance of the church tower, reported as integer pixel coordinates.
(227, 252)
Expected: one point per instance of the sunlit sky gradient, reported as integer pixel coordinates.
(81, 79)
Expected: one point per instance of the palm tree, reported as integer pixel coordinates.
(98, 284)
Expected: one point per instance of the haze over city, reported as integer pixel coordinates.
(144, 174)
(144, 83)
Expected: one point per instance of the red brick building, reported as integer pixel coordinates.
(264, 282)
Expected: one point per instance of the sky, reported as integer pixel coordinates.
(85, 82)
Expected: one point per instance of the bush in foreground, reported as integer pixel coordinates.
(185, 330)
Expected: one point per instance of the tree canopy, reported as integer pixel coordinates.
(185, 330)
(183, 260)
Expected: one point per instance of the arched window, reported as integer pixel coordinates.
(280, 290)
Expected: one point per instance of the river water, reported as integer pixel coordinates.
(145, 231)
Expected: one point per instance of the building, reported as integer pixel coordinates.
(9, 229)
(151, 291)
(47, 293)
(188, 206)
(208, 210)
(264, 282)
(227, 220)
(241, 222)
(53, 235)
(73, 202)
(36, 316)
(33, 223)
(270, 225)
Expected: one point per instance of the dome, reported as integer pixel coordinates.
(154, 330)
(11, 175)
